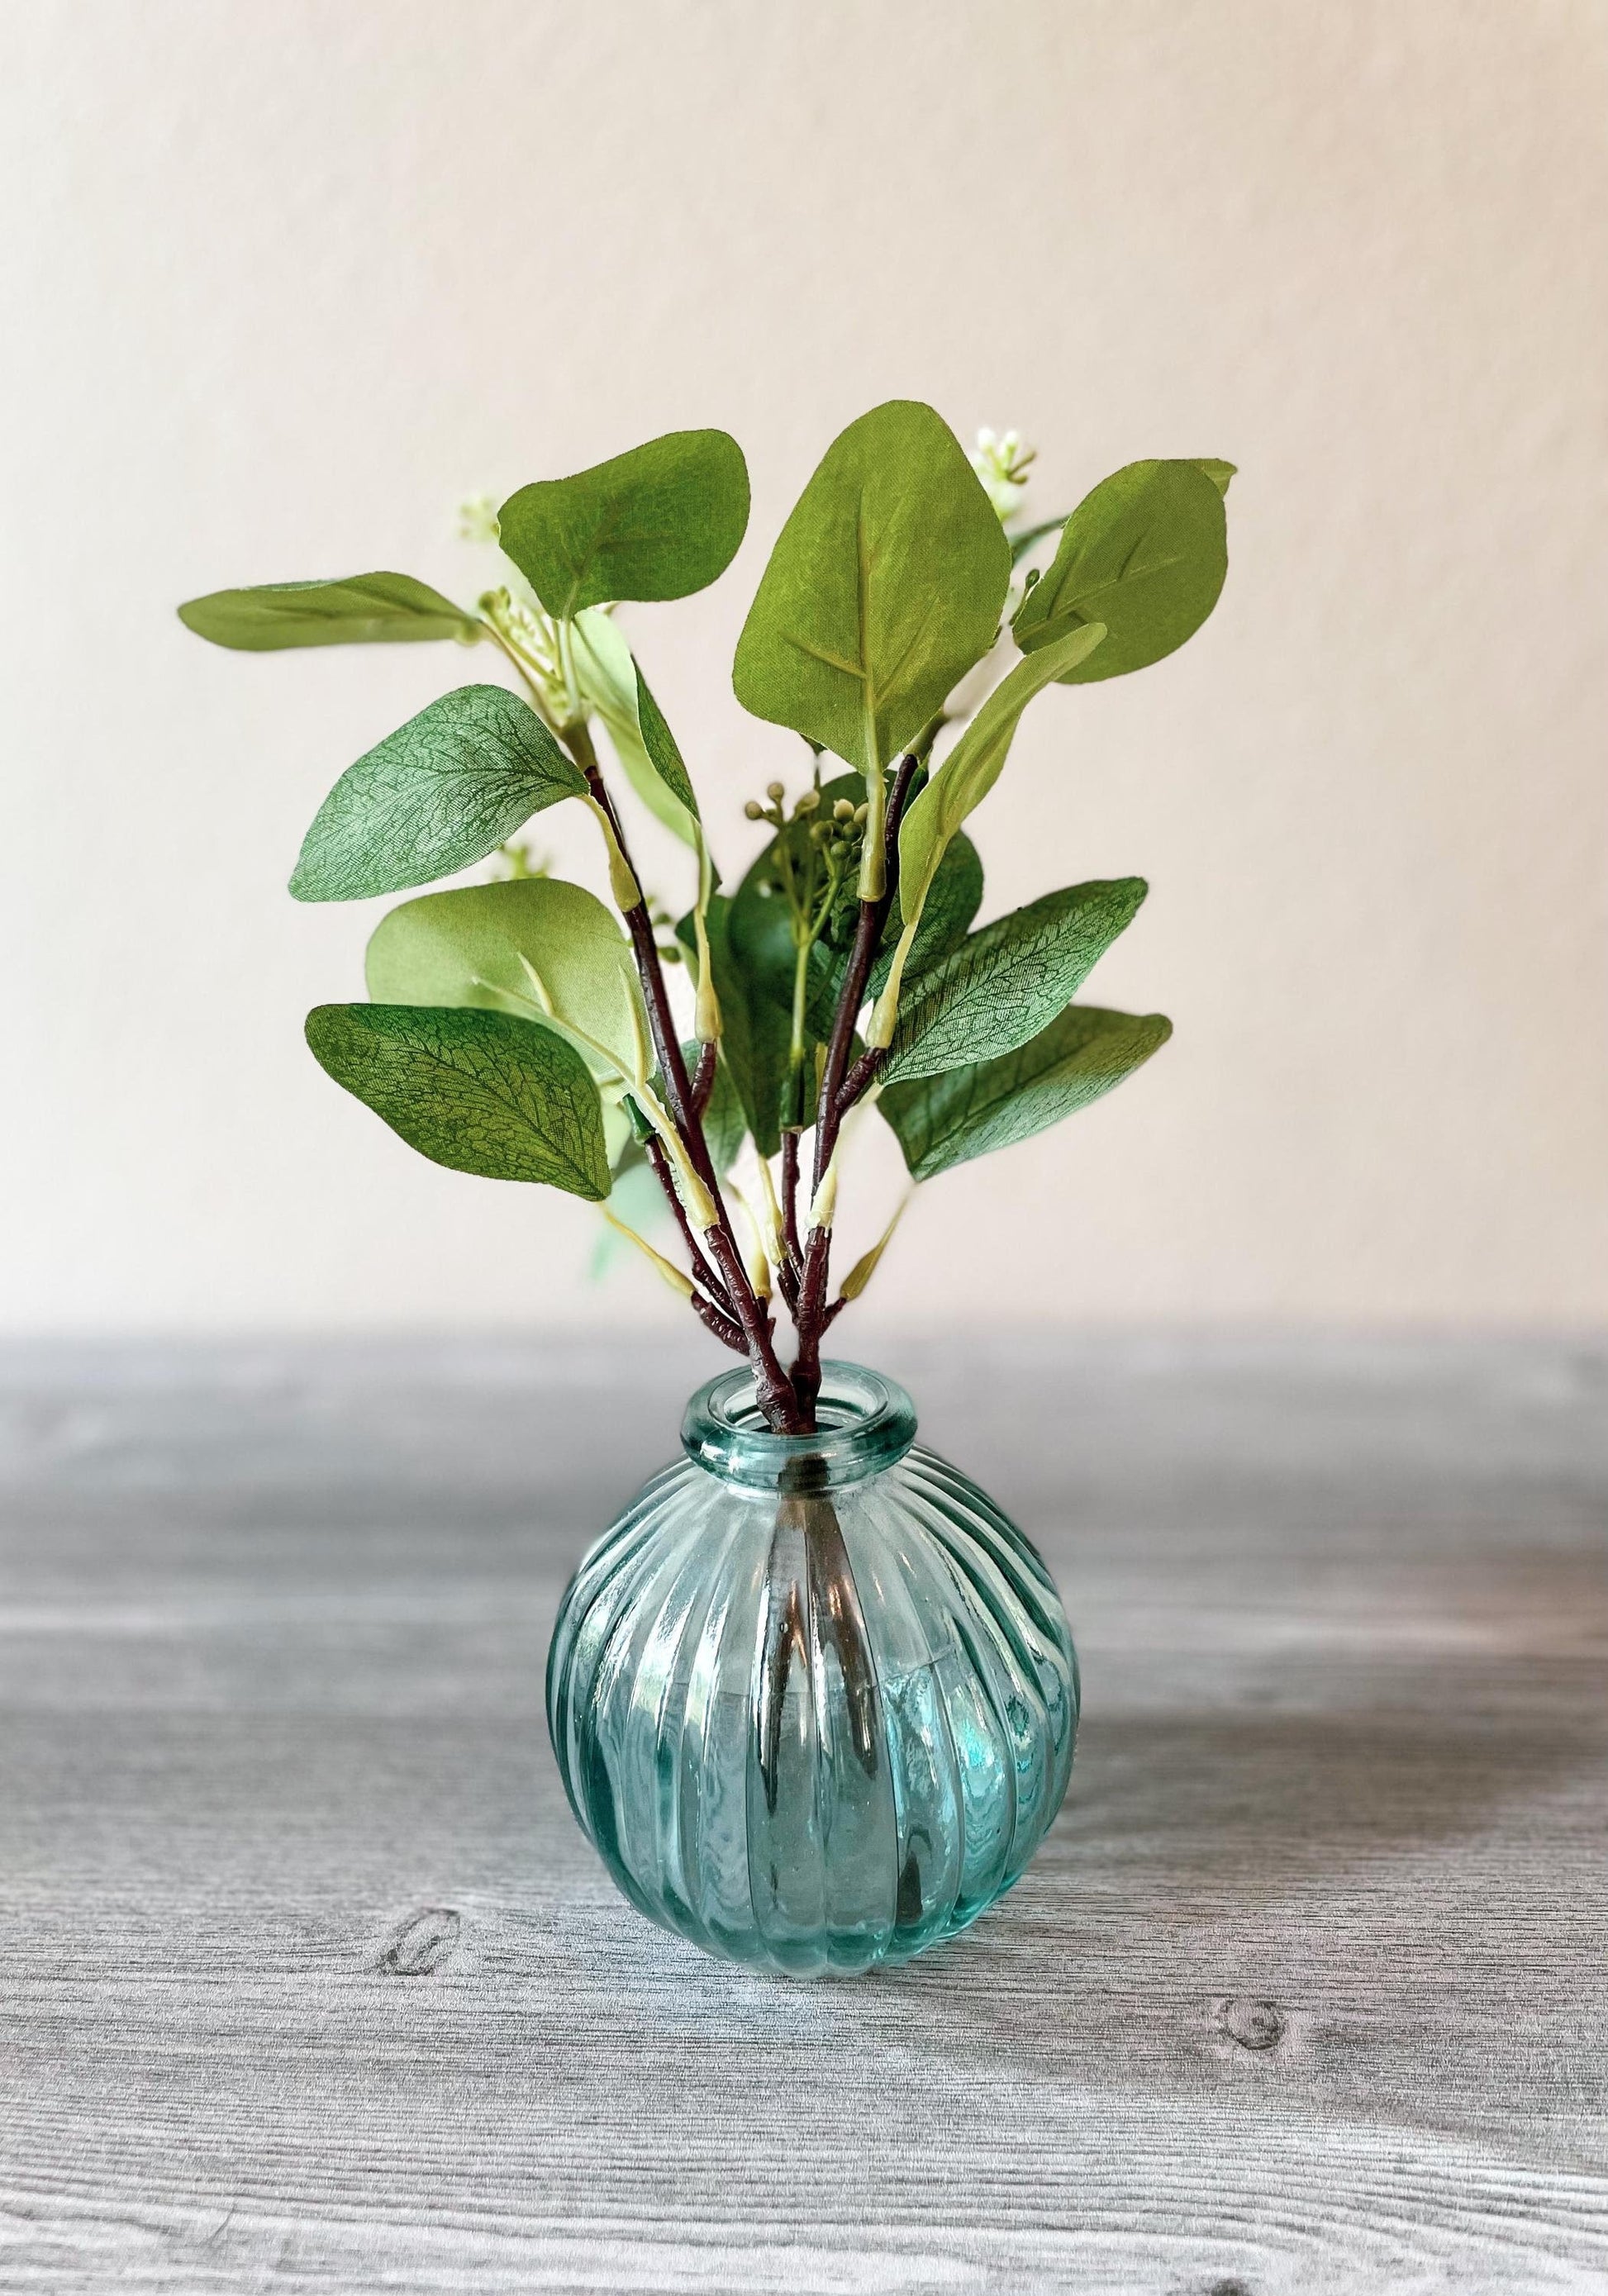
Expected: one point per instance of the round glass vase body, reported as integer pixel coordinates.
(813, 1697)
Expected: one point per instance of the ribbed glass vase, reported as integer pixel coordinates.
(814, 1696)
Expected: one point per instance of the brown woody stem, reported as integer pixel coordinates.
(841, 1087)
(790, 1199)
(861, 1076)
(771, 1383)
(722, 1326)
(703, 1078)
(702, 1272)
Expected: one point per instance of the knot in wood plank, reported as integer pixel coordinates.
(1253, 2024)
(421, 1944)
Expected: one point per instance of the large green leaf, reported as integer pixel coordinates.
(356, 610)
(443, 791)
(975, 763)
(478, 1092)
(658, 522)
(609, 681)
(480, 945)
(885, 586)
(1145, 553)
(944, 1120)
(1005, 983)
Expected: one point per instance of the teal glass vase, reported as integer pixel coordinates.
(813, 1697)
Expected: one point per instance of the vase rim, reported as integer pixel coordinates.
(866, 1424)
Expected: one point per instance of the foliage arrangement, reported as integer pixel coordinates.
(515, 1032)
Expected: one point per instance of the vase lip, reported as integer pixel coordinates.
(867, 1423)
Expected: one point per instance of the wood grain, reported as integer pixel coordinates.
(309, 1979)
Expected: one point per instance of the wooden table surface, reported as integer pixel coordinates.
(307, 1979)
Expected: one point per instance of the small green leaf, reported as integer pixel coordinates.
(475, 1091)
(659, 743)
(944, 1120)
(1010, 980)
(358, 609)
(607, 677)
(885, 586)
(658, 522)
(480, 945)
(975, 763)
(1147, 553)
(443, 791)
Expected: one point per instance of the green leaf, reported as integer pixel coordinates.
(975, 763)
(608, 679)
(755, 1033)
(357, 609)
(659, 743)
(1008, 981)
(885, 586)
(443, 791)
(658, 522)
(475, 1091)
(1219, 473)
(479, 945)
(944, 1120)
(1147, 553)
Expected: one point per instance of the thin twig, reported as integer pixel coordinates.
(874, 915)
(812, 1315)
(703, 1078)
(722, 1326)
(702, 1272)
(789, 1201)
(772, 1385)
(861, 1076)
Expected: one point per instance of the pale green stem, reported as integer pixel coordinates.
(566, 658)
(530, 676)
(706, 1014)
(865, 1267)
(884, 1012)
(672, 1274)
(623, 887)
(873, 867)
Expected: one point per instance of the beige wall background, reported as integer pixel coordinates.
(281, 284)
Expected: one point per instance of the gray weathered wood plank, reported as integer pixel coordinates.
(309, 1979)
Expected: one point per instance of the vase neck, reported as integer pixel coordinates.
(864, 1424)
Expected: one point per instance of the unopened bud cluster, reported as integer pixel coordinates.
(842, 833)
(774, 808)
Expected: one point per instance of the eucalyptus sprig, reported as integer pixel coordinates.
(515, 1030)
